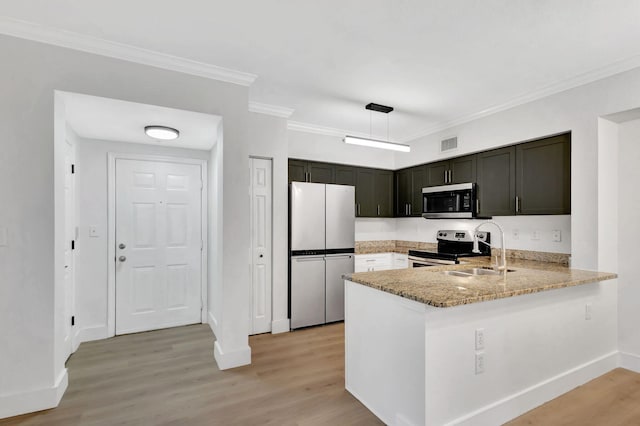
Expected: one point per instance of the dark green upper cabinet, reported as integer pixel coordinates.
(456, 170)
(366, 205)
(297, 171)
(462, 169)
(496, 182)
(321, 172)
(437, 173)
(384, 193)
(409, 184)
(346, 175)
(543, 180)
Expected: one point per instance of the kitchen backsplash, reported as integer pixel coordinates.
(534, 233)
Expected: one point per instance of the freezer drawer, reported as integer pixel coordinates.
(307, 291)
(334, 296)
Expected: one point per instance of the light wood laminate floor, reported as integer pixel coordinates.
(169, 377)
(609, 400)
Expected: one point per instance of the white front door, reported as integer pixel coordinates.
(158, 245)
(260, 245)
(70, 236)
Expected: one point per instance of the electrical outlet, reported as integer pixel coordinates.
(535, 235)
(515, 234)
(556, 235)
(587, 311)
(479, 339)
(93, 232)
(479, 362)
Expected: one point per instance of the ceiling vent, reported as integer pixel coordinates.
(449, 144)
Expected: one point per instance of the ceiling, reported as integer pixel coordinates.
(93, 117)
(437, 61)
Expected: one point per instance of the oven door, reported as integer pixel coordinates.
(449, 201)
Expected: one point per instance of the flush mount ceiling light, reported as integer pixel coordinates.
(375, 143)
(162, 132)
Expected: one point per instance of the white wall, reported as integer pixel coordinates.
(91, 252)
(628, 235)
(576, 110)
(371, 229)
(28, 77)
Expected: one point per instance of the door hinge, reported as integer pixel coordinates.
(73, 169)
(73, 320)
(73, 244)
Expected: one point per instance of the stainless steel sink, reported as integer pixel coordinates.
(474, 272)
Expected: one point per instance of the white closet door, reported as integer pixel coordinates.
(158, 245)
(261, 255)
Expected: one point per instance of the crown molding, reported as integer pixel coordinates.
(98, 46)
(299, 126)
(567, 84)
(274, 110)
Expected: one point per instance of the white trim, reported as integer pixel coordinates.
(299, 126)
(268, 109)
(98, 46)
(280, 326)
(34, 400)
(213, 324)
(551, 89)
(96, 332)
(233, 359)
(520, 402)
(111, 230)
(630, 361)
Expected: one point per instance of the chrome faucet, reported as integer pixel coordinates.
(503, 258)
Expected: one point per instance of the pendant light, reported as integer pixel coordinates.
(376, 143)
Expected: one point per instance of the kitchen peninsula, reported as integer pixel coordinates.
(428, 347)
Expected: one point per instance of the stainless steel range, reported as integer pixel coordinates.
(452, 245)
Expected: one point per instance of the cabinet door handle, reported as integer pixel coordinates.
(358, 209)
(477, 205)
(517, 204)
(450, 176)
(378, 209)
(445, 176)
(410, 208)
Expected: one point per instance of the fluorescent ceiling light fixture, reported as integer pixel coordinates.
(374, 143)
(162, 132)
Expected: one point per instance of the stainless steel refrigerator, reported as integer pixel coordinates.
(322, 244)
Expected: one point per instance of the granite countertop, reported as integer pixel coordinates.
(432, 287)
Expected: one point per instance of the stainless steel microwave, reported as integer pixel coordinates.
(449, 201)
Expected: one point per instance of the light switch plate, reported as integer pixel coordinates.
(535, 235)
(557, 235)
(3, 237)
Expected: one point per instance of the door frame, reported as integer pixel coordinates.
(111, 230)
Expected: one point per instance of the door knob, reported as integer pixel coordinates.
(122, 246)
(122, 258)
(262, 255)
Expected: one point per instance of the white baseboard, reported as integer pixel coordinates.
(280, 326)
(231, 359)
(519, 403)
(630, 361)
(88, 334)
(35, 400)
(213, 323)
